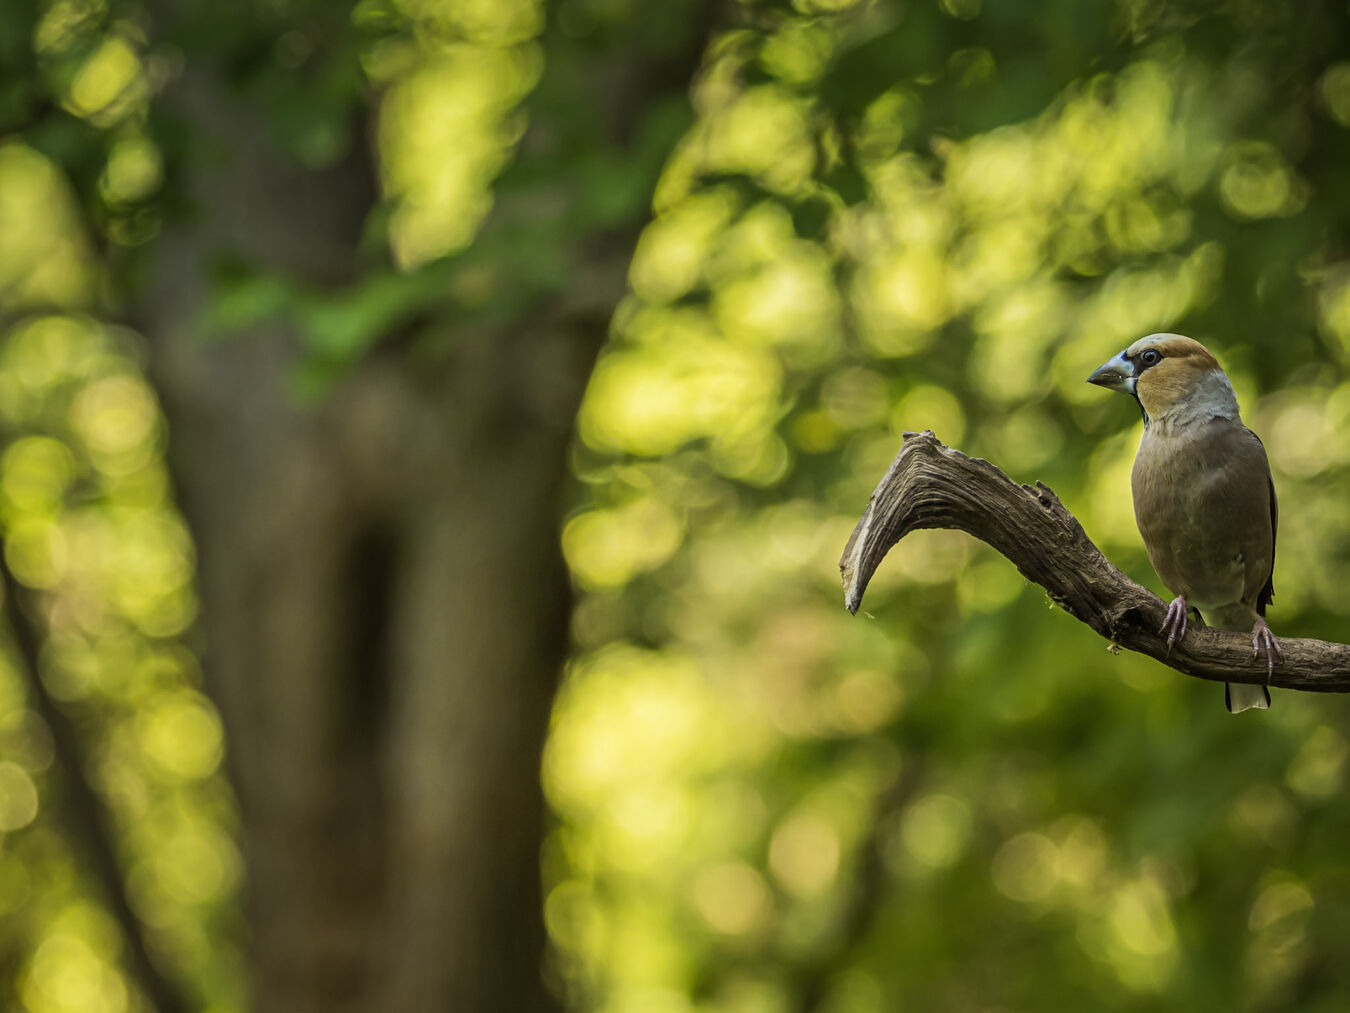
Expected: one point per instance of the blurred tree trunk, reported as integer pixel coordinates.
(385, 613)
(384, 602)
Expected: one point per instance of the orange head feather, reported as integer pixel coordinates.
(1169, 369)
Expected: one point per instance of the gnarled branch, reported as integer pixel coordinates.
(930, 485)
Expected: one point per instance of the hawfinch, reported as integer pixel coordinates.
(1203, 497)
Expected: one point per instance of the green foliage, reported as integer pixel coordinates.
(84, 504)
(879, 217)
(918, 220)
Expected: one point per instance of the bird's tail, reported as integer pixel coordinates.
(1238, 696)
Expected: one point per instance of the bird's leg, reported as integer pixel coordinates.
(1174, 625)
(1264, 642)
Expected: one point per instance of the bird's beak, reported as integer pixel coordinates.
(1118, 374)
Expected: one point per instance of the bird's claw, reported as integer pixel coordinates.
(1264, 642)
(1174, 624)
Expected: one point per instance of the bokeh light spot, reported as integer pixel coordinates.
(804, 854)
(196, 865)
(733, 898)
(70, 972)
(183, 737)
(865, 701)
(673, 249)
(44, 256)
(133, 171)
(966, 10)
(37, 553)
(35, 472)
(1318, 769)
(18, 797)
(115, 417)
(1258, 183)
(109, 75)
(936, 829)
(445, 132)
(1026, 868)
(1335, 86)
(607, 548)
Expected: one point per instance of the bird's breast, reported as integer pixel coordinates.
(1199, 525)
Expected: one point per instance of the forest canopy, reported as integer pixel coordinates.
(786, 233)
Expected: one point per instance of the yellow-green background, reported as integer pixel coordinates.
(881, 217)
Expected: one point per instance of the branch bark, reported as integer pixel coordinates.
(930, 485)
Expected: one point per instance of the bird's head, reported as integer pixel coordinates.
(1167, 372)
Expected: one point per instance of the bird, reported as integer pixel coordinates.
(1204, 499)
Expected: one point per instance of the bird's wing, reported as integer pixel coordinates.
(1267, 594)
(1254, 462)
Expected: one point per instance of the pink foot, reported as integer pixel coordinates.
(1264, 642)
(1174, 625)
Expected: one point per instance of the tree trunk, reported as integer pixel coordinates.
(384, 603)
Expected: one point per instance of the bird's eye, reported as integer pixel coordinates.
(1150, 356)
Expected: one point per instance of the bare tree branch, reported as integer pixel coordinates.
(930, 485)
